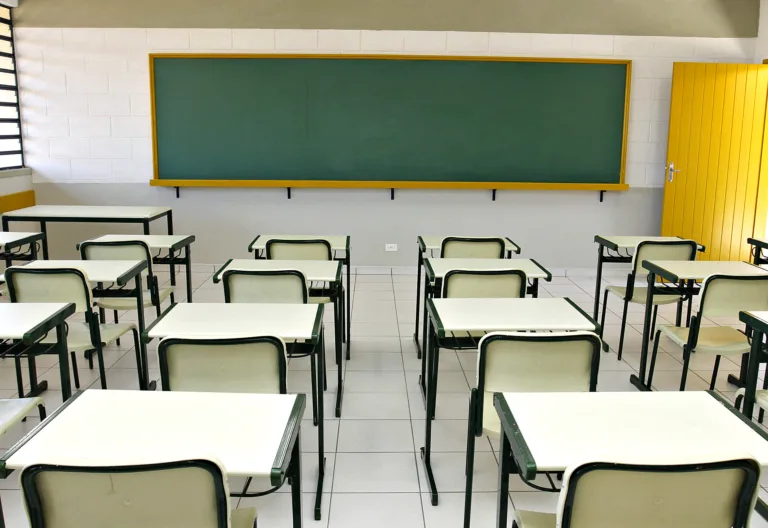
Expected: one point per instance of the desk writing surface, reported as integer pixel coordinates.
(441, 266)
(19, 319)
(435, 243)
(88, 211)
(14, 238)
(313, 270)
(701, 269)
(556, 314)
(113, 427)
(95, 270)
(153, 241)
(337, 242)
(224, 320)
(673, 427)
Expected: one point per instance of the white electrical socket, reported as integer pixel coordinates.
(390, 247)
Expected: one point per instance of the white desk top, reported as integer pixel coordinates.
(563, 429)
(100, 427)
(675, 270)
(153, 241)
(16, 238)
(21, 320)
(337, 242)
(313, 270)
(287, 321)
(88, 211)
(432, 243)
(507, 315)
(441, 266)
(631, 242)
(95, 270)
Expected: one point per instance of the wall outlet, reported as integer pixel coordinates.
(390, 247)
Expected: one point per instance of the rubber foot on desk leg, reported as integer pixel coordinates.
(152, 385)
(430, 479)
(319, 492)
(634, 380)
(42, 386)
(606, 348)
(734, 380)
(339, 397)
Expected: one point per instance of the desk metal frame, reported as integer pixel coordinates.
(7, 253)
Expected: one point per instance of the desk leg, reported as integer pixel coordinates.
(35, 388)
(419, 263)
(44, 231)
(144, 383)
(61, 340)
(170, 222)
(295, 475)
(535, 289)
(8, 261)
(598, 281)
(422, 354)
(349, 300)
(172, 269)
(338, 331)
(321, 417)
(431, 348)
(639, 380)
(188, 266)
(421, 351)
(505, 468)
(752, 370)
(145, 226)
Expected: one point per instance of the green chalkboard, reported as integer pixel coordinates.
(222, 120)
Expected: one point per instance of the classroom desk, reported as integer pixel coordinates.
(251, 435)
(551, 432)
(45, 214)
(617, 244)
(435, 269)
(27, 323)
(14, 240)
(173, 244)
(111, 273)
(314, 271)
(758, 322)
(683, 274)
(341, 252)
(432, 244)
(447, 317)
(299, 322)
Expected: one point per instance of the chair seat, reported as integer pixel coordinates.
(79, 335)
(13, 411)
(243, 518)
(532, 519)
(720, 340)
(129, 303)
(640, 295)
(318, 300)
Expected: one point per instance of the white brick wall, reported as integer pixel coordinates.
(85, 92)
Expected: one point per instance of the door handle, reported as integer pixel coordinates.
(671, 170)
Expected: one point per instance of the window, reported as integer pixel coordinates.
(11, 156)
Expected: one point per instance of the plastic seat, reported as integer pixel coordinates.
(648, 250)
(472, 247)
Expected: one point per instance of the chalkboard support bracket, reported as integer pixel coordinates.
(601, 196)
(288, 189)
(392, 193)
(493, 195)
(177, 192)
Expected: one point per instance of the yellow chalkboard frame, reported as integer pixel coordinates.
(157, 182)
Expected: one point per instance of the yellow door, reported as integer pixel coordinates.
(712, 191)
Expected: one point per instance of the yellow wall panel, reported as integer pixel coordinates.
(691, 167)
(709, 73)
(742, 174)
(676, 105)
(715, 139)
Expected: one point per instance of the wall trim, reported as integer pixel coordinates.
(11, 202)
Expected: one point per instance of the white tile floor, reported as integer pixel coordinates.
(374, 476)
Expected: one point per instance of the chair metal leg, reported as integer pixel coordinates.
(137, 351)
(102, 371)
(623, 328)
(737, 403)
(686, 361)
(19, 376)
(653, 357)
(761, 414)
(315, 395)
(117, 341)
(653, 321)
(41, 410)
(469, 468)
(75, 373)
(714, 373)
(88, 354)
(602, 321)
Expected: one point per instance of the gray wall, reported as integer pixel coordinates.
(696, 18)
(556, 228)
